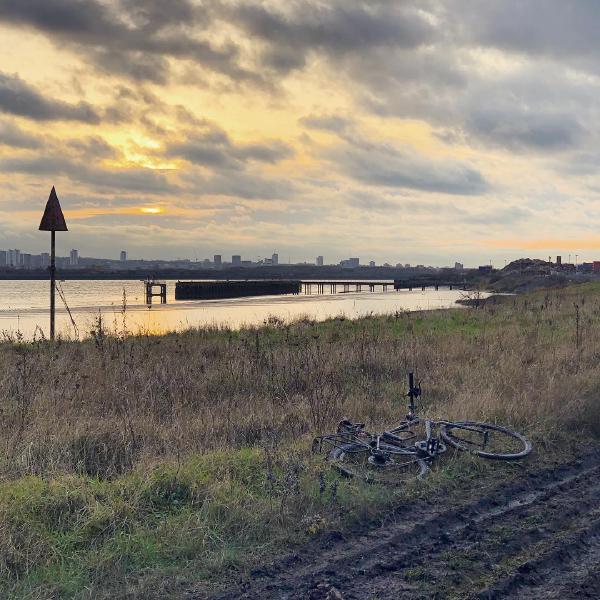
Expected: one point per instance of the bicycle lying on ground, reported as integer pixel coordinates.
(401, 453)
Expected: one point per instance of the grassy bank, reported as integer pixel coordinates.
(140, 465)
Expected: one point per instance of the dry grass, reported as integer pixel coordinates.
(103, 405)
(88, 428)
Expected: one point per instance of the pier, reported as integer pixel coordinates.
(220, 289)
(214, 290)
(321, 287)
(344, 286)
(401, 284)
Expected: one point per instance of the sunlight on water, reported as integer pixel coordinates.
(24, 307)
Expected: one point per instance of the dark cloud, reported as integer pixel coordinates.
(266, 152)
(520, 128)
(19, 98)
(213, 148)
(13, 136)
(133, 38)
(384, 165)
(92, 148)
(134, 179)
(528, 108)
(337, 28)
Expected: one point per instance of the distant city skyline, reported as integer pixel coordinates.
(24, 259)
(423, 132)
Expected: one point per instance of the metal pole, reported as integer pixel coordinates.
(52, 282)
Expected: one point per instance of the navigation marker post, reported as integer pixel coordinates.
(53, 221)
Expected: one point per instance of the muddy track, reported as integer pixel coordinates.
(538, 537)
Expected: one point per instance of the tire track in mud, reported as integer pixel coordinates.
(569, 570)
(542, 530)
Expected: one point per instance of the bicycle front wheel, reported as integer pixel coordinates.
(486, 440)
(356, 460)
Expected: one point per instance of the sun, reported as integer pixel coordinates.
(151, 210)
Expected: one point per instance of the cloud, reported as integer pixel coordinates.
(337, 28)
(240, 185)
(504, 215)
(92, 148)
(214, 148)
(381, 164)
(372, 202)
(333, 123)
(19, 98)
(133, 179)
(520, 128)
(13, 136)
(568, 31)
(133, 38)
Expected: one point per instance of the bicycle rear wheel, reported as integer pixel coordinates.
(356, 460)
(486, 440)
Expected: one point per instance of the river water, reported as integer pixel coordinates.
(24, 307)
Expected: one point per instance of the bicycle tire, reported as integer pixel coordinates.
(351, 460)
(522, 444)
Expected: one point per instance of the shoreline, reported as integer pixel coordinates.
(234, 313)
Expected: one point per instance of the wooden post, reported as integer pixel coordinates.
(52, 283)
(53, 220)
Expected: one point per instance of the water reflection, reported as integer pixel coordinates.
(24, 305)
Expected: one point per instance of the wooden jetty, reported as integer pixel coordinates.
(320, 287)
(213, 290)
(345, 286)
(402, 284)
(217, 289)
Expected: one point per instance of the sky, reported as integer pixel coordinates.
(413, 131)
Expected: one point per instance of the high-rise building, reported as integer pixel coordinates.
(217, 260)
(236, 260)
(319, 261)
(123, 256)
(26, 261)
(45, 259)
(14, 258)
(74, 258)
(3, 258)
(350, 263)
(458, 266)
(275, 259)
(372, 263)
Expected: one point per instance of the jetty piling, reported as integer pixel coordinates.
(150, 285)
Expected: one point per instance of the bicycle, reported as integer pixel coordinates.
(397, 455)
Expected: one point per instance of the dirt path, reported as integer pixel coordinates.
(536, 538)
